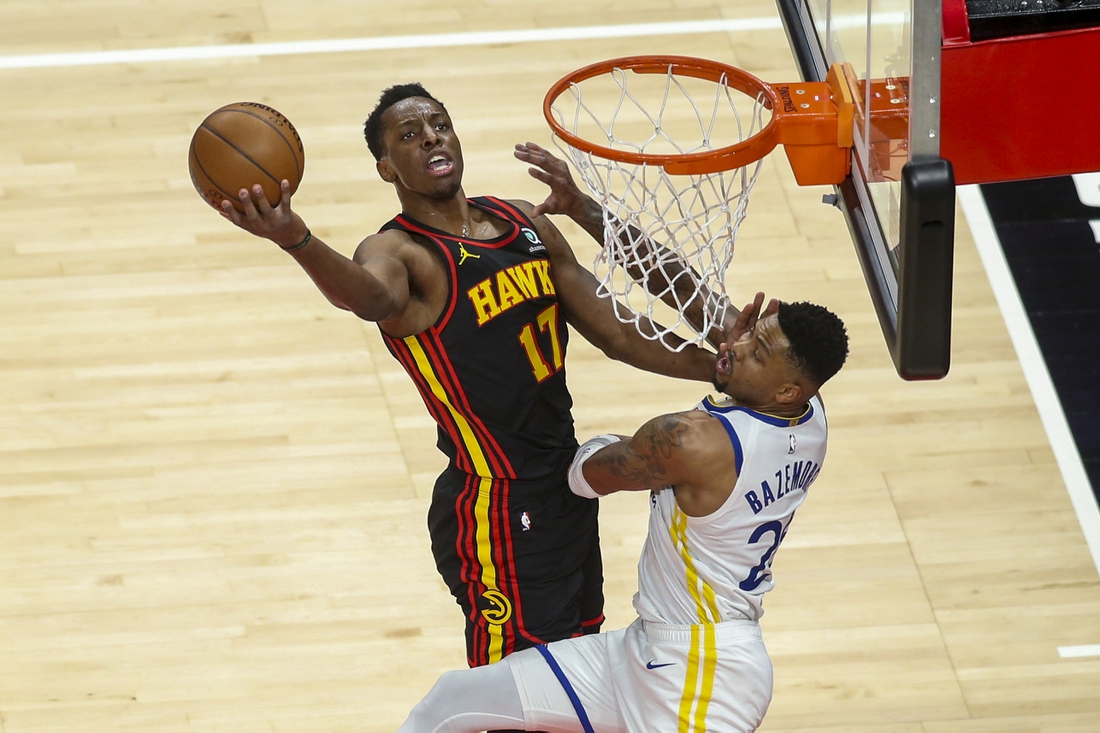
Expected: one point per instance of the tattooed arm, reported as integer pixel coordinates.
(688, 451)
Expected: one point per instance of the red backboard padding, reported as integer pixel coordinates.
(1022, 107)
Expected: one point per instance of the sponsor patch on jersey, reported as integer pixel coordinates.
(533, 238)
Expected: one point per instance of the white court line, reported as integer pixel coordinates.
(1035, 370)
(1091, 650)
(380, 43)
(339, 45)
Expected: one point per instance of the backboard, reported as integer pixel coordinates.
(899, 200)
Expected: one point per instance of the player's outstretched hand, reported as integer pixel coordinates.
(279, 224)
(565, 198)
(749, 315)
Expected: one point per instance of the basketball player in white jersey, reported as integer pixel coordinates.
(725, 481)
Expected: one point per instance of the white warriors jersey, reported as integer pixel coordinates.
(702, 570)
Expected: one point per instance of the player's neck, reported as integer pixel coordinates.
(446, 214)
(776, 409)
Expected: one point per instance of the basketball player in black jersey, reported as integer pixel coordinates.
(472, 296)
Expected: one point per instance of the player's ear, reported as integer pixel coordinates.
(386, 171)
(789, 394)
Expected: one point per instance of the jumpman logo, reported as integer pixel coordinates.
(463, 254)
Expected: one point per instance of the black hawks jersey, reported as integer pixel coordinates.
(491, 370)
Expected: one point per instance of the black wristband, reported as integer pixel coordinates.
(303, 243)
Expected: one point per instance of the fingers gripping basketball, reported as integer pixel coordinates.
(241, 145)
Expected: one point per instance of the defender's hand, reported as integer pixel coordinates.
(748, 317)
(565, 197)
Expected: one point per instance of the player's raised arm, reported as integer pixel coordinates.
(594, 317)
(669, 276)
(375, 288)
(688, 451)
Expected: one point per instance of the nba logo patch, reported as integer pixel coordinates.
(791, 441)
(525, 520)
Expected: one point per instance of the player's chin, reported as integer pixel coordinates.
(445, 190)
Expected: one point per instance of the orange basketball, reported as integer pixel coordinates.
(241, 145)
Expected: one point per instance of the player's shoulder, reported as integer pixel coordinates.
(527, 208)
(706, 426)
(556, 246)
(391, 242)
(704, 436)
(523, 205)
(693, 429)
(694, 417)
(700, 454)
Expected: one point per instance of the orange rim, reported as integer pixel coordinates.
(707, 161)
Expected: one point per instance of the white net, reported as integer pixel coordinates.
(667, 238)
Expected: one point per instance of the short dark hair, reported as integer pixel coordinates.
(372, 128)
(817, 337)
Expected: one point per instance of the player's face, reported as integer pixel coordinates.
(755, 370)
(422, 151)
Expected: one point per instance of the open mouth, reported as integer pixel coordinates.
(440, 165)
(723, 364)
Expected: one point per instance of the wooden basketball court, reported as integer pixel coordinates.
(213, 484)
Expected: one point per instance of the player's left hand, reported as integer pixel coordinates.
(565, 197)
(748, 317)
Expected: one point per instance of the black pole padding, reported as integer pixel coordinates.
(927, 250)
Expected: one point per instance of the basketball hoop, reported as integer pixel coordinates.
(671, 147)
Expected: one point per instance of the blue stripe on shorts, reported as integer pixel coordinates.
(572, 694)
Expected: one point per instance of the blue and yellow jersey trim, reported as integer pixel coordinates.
(710, 404)
(703, 654)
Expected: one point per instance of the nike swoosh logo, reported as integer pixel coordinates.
(651, 665)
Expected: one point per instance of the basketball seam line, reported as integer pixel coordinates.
(276, 128)
(210, 178)
(241, 152)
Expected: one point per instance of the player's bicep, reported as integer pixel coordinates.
(658, 455)
(386, 290)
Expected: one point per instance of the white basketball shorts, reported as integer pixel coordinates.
(647, 677)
